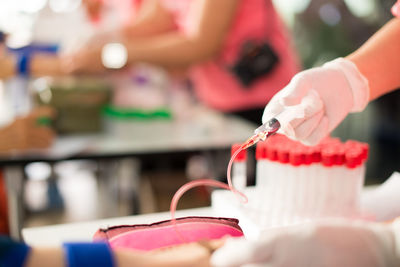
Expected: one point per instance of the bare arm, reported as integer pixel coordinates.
(191, 254)
(379, 59)
(151, 19)
(210, 22)
(39, 65)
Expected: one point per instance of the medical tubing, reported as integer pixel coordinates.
(208, 182)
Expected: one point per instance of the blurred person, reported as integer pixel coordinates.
(99, 254)
(238, 52)
(3, 207)
(342, 86)
(38, 65)
(322, 97)
(28, 132)
(31, 131)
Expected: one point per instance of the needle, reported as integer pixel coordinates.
(263, 132)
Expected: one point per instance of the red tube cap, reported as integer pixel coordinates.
(261, 151)
(242, 156)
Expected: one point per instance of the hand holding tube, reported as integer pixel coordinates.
(317, 100)
(329, 244)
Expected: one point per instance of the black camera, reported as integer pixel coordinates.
(256, 60)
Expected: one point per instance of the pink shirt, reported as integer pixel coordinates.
(214, 85)
(396, 9)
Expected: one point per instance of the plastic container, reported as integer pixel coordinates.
(296, 183)
(136, 124)
(78, 102)
(141, 87)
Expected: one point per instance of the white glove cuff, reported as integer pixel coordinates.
(358, 83)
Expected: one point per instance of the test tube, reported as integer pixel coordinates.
(261, 158)
(312, 182)
(300, 182)
(297, 162)
(239, 177)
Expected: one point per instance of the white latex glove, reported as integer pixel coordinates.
(339, 86)
(330, 244)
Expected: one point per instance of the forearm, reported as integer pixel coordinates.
(46, 65)
(55, 257)
(379, 59)
(171, 50)
(39, 65)
(151, 19)
(46, 257)
(7, 68)
(176, 49)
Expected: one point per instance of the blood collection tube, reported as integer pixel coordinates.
(340, 179)
(261, 158)
(299, 182)
(327, 195)
(355, 157)
(308, 185)
(295, 189)
(262, 180)
(239, 175)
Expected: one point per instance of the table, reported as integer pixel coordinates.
(203, 130)
(55, 235)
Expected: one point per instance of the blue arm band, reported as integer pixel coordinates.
(15, 255)
(23, 61)
(88, 254)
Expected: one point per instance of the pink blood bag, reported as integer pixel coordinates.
(147, 237)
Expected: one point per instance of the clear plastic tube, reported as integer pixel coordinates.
(207, 182)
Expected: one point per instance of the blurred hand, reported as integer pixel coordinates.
(186, 255)
(87, 60)
(7, 64)
(330, 244)
(317, 100)
(29, 132)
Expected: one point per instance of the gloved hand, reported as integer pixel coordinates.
(338, 85)
(328, 244)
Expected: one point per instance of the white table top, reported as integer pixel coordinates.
(203, 129)
(57, 234)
